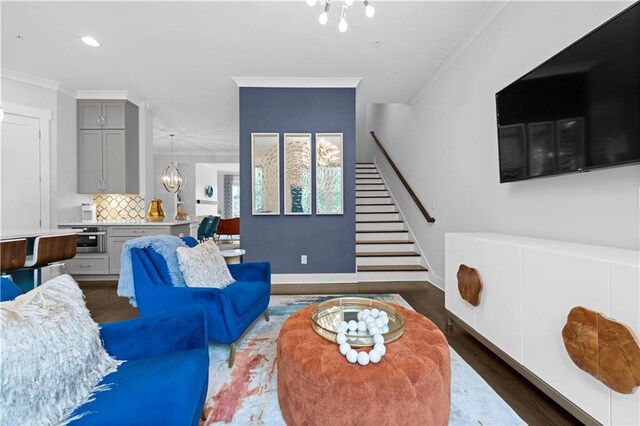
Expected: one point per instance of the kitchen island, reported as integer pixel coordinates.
(105, 264)
(12, 234)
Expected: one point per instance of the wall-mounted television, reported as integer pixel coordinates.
(578, 111)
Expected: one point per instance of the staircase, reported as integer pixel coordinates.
(384, 251)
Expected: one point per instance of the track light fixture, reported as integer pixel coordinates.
(343, 26)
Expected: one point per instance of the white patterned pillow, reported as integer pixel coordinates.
(204, 266)
(52, 357)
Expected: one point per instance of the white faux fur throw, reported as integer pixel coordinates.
(52, 358)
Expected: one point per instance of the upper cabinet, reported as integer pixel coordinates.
(109, 114)
(108, 158)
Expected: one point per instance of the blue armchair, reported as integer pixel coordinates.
(230, 312)
(166, 374)
(165, 378)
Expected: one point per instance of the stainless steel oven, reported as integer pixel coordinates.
(92, 239)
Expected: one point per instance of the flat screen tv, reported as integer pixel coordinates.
(578, 111)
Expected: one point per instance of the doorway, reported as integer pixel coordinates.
(24, 175)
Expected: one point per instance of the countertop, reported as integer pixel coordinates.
(173, 223)
(10, 234)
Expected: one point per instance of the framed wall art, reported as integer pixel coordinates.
(265, 173)
(329, 174)
(297, 173)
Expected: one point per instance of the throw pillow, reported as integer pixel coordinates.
(204, 266)
(52, 357)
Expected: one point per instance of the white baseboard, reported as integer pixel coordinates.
(436, 280)
(313, 278)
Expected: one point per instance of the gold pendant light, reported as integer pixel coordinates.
(172, 178)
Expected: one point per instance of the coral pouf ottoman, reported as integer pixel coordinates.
(411, 385)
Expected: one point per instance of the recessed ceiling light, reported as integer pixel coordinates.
(377, 43)
(19, 37)
(91, 41)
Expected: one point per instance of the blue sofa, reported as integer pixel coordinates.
(165, 378)
(230, 311)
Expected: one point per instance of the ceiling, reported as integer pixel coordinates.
(180, 56)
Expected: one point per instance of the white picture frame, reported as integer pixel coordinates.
(329, 174)
(265, 174)
(297, 174)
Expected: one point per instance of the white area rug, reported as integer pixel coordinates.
(247, 393)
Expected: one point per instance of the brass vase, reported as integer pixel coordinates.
(155, 212)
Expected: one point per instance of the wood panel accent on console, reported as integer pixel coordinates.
(469, 284)
(604, 348)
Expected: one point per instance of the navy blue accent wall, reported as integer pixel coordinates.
(328, 241)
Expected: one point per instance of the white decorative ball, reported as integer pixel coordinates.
(353, 326)
(375, 313)
(366, 313)
(344, 348)
(380, 348)
(352, 356)
(368, 320)
(374, 330)
(359, 316)
(374, 356)
(379, 322)
(385, 320)
(376, 339)
(363, 358)
(362, 326)
(341, 338)
(383, 313)
(385, 329)
(341, 330)
(344, 324)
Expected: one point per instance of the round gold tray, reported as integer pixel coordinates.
(332, 312)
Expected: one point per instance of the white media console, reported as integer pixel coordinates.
(529, 287)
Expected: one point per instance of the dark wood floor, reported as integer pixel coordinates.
(533, 406)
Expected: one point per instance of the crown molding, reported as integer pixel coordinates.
(35, 80)
(47, 83)
(483, 20)
(101, 94)
(299, 82)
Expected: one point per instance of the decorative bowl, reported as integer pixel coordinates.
(332, 312)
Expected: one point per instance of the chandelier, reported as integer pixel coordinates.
(172, 178)
(369, 10)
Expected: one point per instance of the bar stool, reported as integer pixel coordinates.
(50, 250)
(13, 254)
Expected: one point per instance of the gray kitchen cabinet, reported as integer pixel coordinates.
(88, 264)
(118, 235)
(115, 253)
(114, 160)
(90, 161)
(89, 114)
(98, 114)
(108, 159)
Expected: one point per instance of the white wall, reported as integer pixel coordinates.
(446, 144)
(65, 202)
(206, 174)
(67, 196)
(364, 146)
